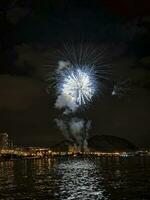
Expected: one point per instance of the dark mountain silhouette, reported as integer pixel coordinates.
(109, 143)
(104, 143)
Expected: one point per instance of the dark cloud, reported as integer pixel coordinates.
(18, 93)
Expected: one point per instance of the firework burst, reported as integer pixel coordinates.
(79, 83)
(80, 75)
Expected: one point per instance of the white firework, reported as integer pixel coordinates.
(79, 84)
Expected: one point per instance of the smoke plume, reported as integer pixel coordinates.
(67, 103)
(63, 127)
(61, 65)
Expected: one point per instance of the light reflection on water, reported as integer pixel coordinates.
(76, 178)
(80, 179)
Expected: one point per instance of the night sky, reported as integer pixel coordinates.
(30, 31)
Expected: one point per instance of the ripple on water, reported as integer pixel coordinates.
(76, 179)
(79, 181)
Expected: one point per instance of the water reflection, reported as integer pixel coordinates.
(76, 178)
(6, 176)
(79, 180)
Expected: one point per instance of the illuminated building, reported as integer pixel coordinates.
(74, 149)
(3, 140)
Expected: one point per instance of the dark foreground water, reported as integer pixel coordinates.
(76, 178)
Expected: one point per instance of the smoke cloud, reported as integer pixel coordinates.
(61, 65)
(76, 128)
(63, 127)
(66, 102)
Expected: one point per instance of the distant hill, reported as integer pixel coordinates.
(61, 146)
(109, 143)
(104, 143)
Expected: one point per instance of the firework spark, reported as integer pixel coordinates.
(79, 84)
